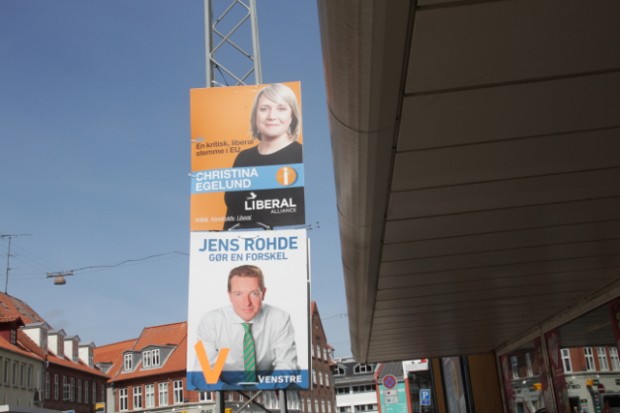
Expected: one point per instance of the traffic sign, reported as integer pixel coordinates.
(425, 397)
(389, 381)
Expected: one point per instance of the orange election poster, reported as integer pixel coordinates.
(246, 157)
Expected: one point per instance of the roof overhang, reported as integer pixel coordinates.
(477, 159)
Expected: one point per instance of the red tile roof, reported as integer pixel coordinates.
(79, 365)
(11, 319)
(13, 309)
(174, 335)
(109, 353)
(18, 348)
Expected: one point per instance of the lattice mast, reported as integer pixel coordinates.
(232, 46)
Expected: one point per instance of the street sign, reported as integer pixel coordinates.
(425, 397)
(389, 381)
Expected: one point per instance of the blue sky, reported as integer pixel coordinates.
(94, 132)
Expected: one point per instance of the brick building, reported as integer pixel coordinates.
(322, 397)
(149, 372)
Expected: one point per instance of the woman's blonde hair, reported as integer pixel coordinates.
(278, 93)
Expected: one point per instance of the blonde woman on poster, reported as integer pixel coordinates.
(275, 123)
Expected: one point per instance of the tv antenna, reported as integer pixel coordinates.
(8, 257)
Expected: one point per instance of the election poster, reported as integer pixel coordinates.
(246, 157)
(248, 310)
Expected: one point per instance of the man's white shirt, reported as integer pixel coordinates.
(273, 333)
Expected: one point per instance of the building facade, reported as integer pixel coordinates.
(21, 370)
(54, 371)
(148, 373)
(322, 397)
(356, 389)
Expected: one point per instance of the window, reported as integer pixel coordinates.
(86, 390)
(178, 391)
(56, 387)
(163, 394)
(325, 354)
(149, 394)
(321, 378)
(79, 391)
(565, 353)
(327, 379)
(48, 385)
(528, 364)
(589, 358)
(323, 406)
(150, 358)
(343, 390)
(339, 371)
(514, 363)
(365, 407)
(308, 405)
(122, 400)
(314, 376)
(137, 397)
(344, 409)
(15, 370)
(128, 362)
(66, 390)
(95, 393)
(7, 374)
(22, 375)
(364, 388)
(362, 368)
(615, 360)
(72, 389)
(603, 364)
(205, 396)
(29, 376)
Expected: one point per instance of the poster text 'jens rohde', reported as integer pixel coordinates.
(249, 249)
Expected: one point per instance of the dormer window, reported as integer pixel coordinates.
(128, 362)
(13, 337)
(363, 368)
(151, 358)
(339, 371)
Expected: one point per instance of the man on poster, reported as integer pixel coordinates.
(256, 340)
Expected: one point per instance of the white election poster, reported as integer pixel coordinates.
(248, 310)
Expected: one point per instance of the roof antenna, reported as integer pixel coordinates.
(8, 258)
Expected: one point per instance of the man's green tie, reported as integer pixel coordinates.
(249, 354)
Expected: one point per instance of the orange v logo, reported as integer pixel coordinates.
(212, 375)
